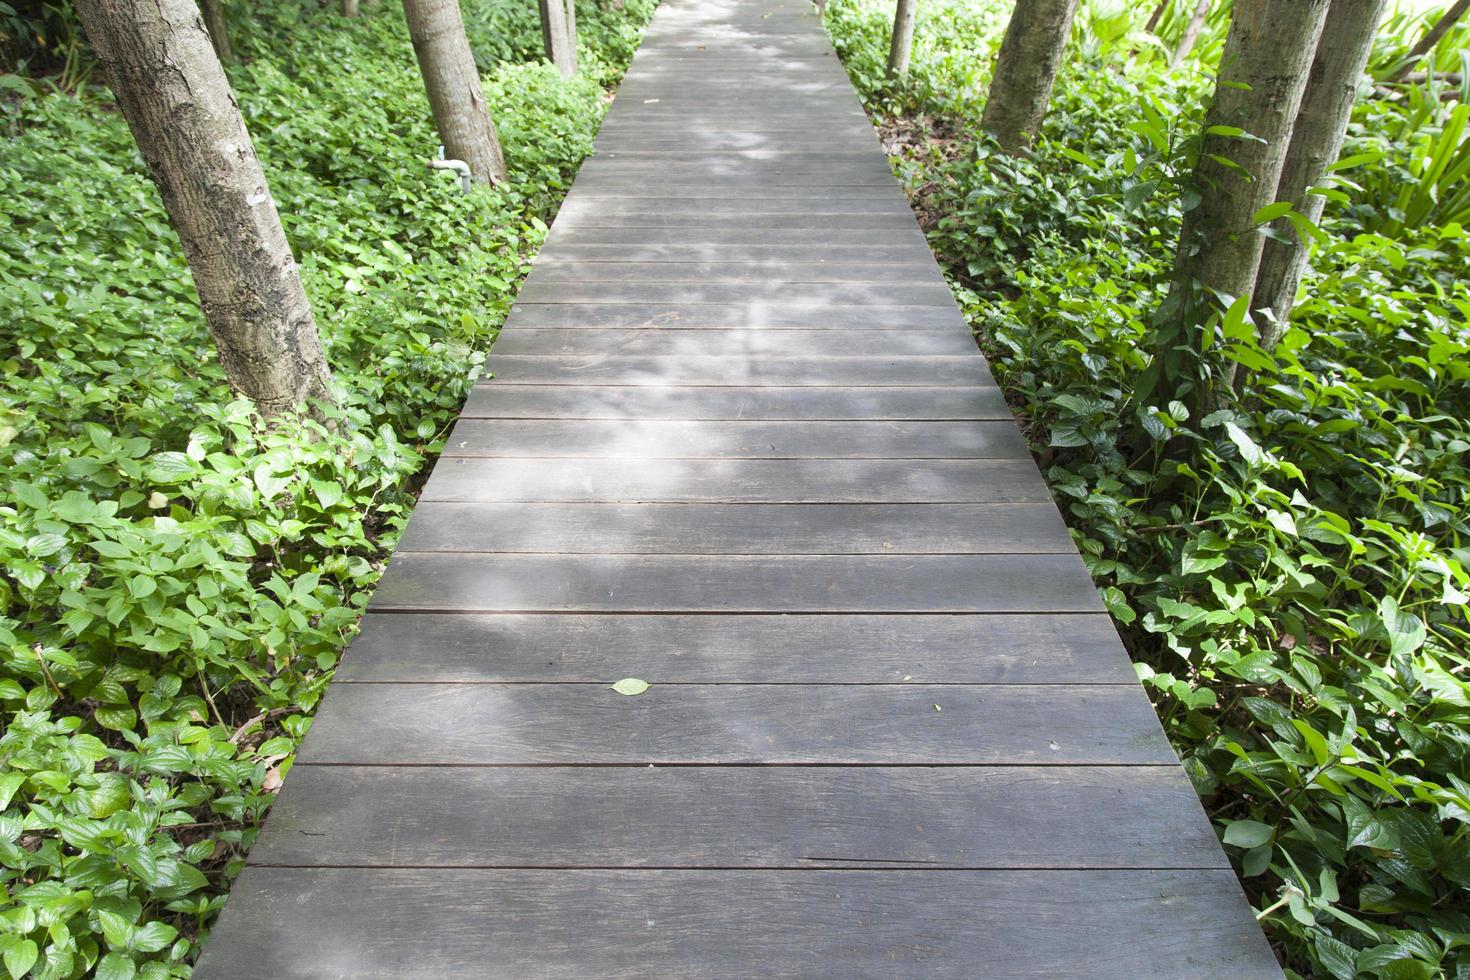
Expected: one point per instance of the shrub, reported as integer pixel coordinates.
(178, 581)
(1289, 572)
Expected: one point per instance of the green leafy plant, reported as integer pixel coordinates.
(177, 582)
(1289, 570)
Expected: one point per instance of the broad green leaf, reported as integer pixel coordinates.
(20, 957)
(116, 966)
(1248, 833)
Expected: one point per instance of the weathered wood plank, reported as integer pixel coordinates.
(785, 293)
(828, 649)
(684, 439)
(655, 342)
(652, 402)
(926, 371)
(762, 724)
(428, 924)
(757, 817)
(724, 529)
(580, 271)
(812, 237)
(736, 583)
(740, 481)
(586, 256)
(673, 316)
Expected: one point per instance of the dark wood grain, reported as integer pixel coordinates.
(740, 817)
(964, 370)
(579, 271)
(493, 400)
(770, 724)
(861, 649)
(732, 584)
(782, 343)
(784, 293)
(767, 481)
(428, 924)
(681, 439)
(674, 316)
(749, 529)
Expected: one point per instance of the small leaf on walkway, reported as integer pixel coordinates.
(630, 686)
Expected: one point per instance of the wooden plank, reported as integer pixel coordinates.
(934, 293)
(580, 271)
(674, 316)
(740, 481)
(928, 371)
(377, 924)
(808, 220)
(586, 256)
(814, 237)
(675, 183)
(736, 583)
(722, 529)
(654, 342)
(758, 817)
(735, 724)
(493, 400)
(773, 649)
(685, 439)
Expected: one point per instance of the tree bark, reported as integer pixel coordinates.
(453, 84)
(173, 93)
(903, 38)
(1316, 140)
(1026, 69)
(219, 37)
(1431, 38)
(559, 34)
(1191, 33)
(1156, 16)
(350, 8)
(1263, 72)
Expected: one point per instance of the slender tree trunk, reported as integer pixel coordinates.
(1191, 33)
(214, 21)
(903, 38)
(559, 34)
(350, 8)
(1316, 141)
(1026, 69)
(453, 84)
(1263, 72)
(1431, 38)
(189, 129)
(1156, 16)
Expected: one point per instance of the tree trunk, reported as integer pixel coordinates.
(1316, 141)
(1156, 16)
(1263, 72)
(1026, 69)
(1431, 38)
(1191, 33)
(903, 38)
(189, 129)
(453, 84)
(350, 8)
(559, 34)
(214, 21)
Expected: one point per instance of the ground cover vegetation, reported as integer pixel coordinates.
(1286, 554)
(177, 579)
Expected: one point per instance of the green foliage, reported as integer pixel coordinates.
(178, 581)
(1290, 570)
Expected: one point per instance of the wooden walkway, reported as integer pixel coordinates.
(739, 444)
